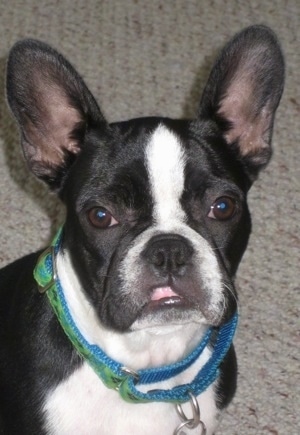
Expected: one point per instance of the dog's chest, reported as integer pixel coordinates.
(82, 401)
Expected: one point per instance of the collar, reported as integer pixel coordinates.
(112, 373)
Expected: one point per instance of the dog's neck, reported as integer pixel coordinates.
(138, 349)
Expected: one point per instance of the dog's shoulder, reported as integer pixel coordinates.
(17, 278)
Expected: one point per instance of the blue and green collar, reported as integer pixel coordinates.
(112, 373)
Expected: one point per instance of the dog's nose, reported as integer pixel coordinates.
(168, 254)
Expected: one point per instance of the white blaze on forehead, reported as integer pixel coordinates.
(165, 161)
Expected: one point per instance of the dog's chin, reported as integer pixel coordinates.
(168, 312)
(168, 308)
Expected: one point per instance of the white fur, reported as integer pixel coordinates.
(83, 405)
(165, 161)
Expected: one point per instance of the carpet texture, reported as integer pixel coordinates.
(152, 58)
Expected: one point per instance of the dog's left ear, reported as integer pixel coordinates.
(243, 92)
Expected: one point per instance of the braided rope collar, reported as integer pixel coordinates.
(112, 373)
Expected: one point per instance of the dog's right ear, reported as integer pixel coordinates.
(52, 105)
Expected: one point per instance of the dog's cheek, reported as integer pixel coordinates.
(117, 308)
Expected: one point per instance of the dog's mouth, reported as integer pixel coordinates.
(166, 297)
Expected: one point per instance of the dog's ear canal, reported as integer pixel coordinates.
(243, 92)
(52, 106)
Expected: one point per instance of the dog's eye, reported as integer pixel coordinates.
(101, 218)
(223, 208)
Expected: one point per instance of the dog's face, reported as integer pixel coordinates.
(160, 225)
(157, 219)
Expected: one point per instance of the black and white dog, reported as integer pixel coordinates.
(156, 225)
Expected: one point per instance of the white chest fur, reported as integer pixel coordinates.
(82, 405)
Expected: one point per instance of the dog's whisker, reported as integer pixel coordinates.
(231, 292)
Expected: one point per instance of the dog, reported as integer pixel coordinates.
(124, 325)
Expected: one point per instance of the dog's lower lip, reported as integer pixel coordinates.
(165, 296)
(164, 302)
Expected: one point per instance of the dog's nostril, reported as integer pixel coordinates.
(180, 259)
(159, 259)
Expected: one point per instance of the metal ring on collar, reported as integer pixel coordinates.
(131, 372)
(193, 422)
(182, 426)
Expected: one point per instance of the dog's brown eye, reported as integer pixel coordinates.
(101, 218)
(223, 208)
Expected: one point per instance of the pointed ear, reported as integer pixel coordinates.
(52, 106)
(243, 92)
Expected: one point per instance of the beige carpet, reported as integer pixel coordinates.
(150, 58)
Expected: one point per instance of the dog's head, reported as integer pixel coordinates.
(157, 219)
